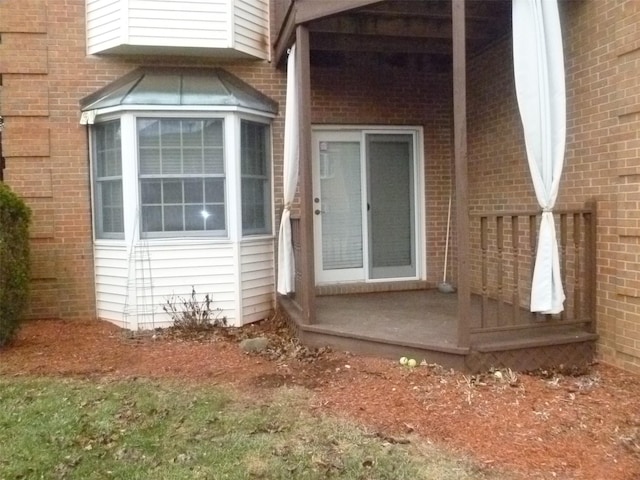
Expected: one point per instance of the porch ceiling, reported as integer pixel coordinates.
(405, 28)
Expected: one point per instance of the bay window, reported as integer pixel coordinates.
(176, 170)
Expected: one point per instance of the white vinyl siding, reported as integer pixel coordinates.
(111, 272)
(257, 278)
(180, 24)
(132, 286)
(235, 28)
(173, 268)
(104, 25)
(251, 29)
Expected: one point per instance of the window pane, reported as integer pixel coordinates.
(173, 219)
(152, 219)
(107, 159)
(170, 133)
(193, 191)
(151, 192)
(171, 161)
(148, 133)
(212, 133)
(149, 161)
(111, 193)
(253, 149)
(216, 220)
(172, 191)
(192, 133)
(255, 186)
(214, 190)
(192, 159)
(214, 160)
(253, 204)
(195, 217)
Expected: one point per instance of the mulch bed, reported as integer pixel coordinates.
(542, 425)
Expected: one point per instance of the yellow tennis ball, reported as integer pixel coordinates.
(412, 362)
(404, 360)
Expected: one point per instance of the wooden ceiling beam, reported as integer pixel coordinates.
(321, 41)
(309, 10)
(416, 27)
(482, 10)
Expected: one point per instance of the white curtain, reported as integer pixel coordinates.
(540, 89)
(286, 261)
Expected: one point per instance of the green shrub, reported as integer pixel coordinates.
(14, 262)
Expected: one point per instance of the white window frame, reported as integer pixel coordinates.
(223, 176)
(268, 230)
(232, 166)
(96, 183)
(419, 182)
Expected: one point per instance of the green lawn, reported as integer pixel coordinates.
(65, 428)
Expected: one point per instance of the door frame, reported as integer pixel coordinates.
(419, 198)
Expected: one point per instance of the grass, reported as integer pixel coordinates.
(79, 429)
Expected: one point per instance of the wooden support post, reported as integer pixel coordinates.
(306, 259)
(460, 154)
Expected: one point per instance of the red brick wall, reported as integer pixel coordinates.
(372, 91)
(601, 42)
(45, 72)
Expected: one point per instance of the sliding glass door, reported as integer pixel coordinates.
(364, 205)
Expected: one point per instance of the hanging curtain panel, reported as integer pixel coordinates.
(540, 89)
(286, 261)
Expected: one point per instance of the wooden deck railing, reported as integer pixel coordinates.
(503, 250)
(503, 255)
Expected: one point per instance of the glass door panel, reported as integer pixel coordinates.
(391, 200)
(338, 210)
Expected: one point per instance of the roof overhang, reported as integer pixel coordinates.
(303, 11)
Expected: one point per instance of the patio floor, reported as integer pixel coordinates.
(421, 321)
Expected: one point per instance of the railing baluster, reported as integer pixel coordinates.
(590, 237)
(295, 240)
(515, 243)
(484, 272)
(563, 255)
(533, 243)
(500, 245)
(577, 291)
